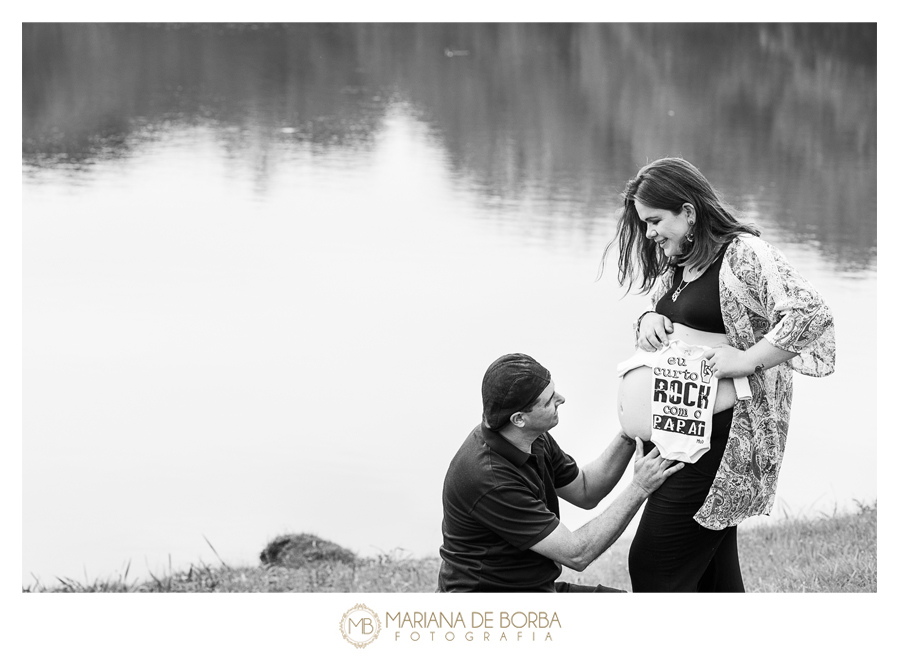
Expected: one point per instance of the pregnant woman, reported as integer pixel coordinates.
(730, 301)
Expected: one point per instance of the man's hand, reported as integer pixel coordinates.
(653, 332)
(578, 549)
(651, 470)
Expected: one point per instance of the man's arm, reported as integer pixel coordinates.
(578, 549)
(599, 477)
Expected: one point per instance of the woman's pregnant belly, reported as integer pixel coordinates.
(636, 385)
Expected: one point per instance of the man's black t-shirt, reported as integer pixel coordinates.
(498, 503)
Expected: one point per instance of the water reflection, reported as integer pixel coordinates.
(781, 117)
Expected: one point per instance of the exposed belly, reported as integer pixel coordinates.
(635, 386)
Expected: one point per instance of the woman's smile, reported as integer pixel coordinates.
(664, 227)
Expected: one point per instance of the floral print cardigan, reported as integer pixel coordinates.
(762, 296)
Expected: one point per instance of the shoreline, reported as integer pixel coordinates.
(836, 553)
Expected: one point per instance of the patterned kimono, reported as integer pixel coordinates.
(762, 296)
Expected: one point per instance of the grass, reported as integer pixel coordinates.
(835, 553)
(388, 572)
(830, 554)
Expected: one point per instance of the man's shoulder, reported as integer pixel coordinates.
(468, 455)
(548, 443)
(483, 448)
(477, 466)
(471, 447)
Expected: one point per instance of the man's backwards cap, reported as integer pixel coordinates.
(512, 383)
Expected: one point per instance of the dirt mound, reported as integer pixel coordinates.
(300, 550)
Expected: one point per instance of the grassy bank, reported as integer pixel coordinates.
(819, 554)
(822, 554)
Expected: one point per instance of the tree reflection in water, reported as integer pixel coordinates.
(780, 116)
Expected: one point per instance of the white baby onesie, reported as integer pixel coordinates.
(682, 398)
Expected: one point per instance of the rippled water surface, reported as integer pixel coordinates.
(264, 268)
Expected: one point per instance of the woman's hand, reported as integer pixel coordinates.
(728, 362)
(653, 332)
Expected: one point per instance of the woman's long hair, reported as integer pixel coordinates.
(668, 184)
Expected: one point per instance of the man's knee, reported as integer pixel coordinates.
(569, 588)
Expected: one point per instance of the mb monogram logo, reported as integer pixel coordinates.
(360, 626)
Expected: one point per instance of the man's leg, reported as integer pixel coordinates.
(563, 587)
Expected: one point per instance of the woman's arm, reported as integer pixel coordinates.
(729, 362)
(801, 327)
(651, 329)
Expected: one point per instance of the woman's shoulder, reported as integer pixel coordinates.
(745, 262)
(747, 248)
(744, 241)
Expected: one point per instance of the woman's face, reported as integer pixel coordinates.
(665, 228)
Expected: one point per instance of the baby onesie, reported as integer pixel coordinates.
(682, 398)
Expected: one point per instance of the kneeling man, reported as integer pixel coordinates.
(502, 530)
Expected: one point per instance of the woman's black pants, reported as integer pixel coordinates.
(673, 553)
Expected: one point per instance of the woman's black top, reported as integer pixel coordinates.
(698, 304)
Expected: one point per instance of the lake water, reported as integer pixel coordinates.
(265, 267)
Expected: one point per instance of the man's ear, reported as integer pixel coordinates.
(518, 419)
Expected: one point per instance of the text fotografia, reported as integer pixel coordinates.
(478, 626)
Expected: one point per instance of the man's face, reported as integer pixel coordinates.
(544, 415)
